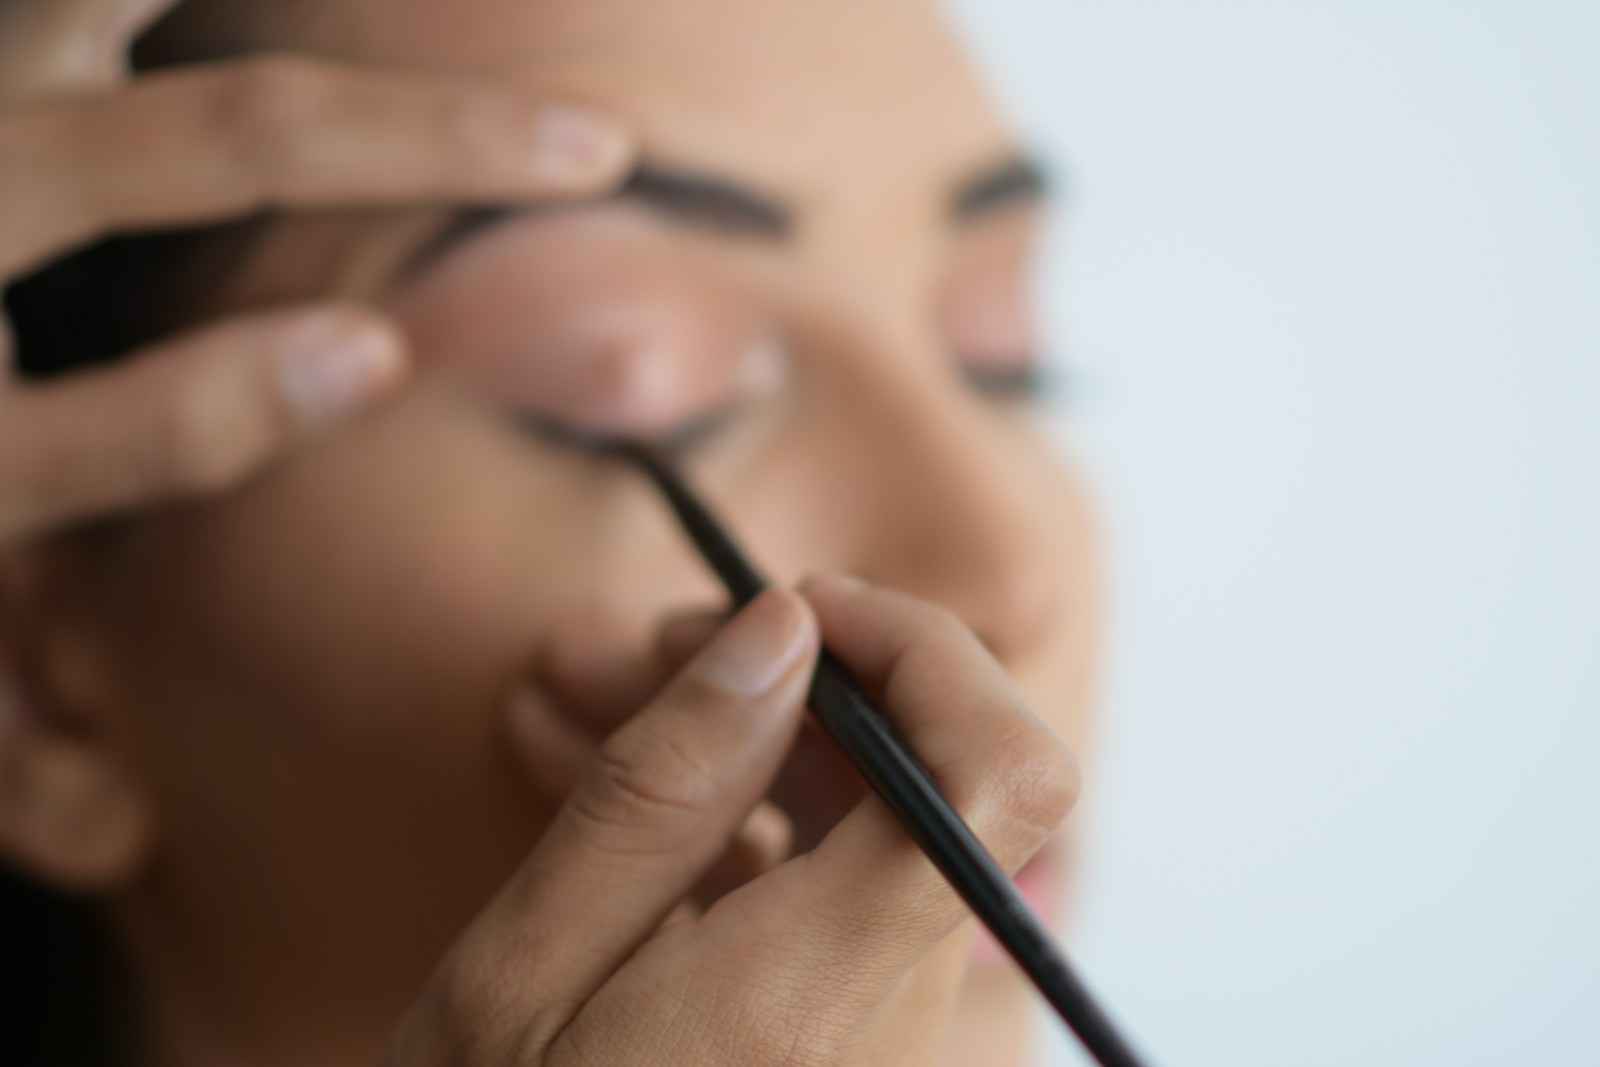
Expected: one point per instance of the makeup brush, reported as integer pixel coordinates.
(899, 777)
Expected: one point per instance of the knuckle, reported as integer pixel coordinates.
(792, 1028)
(645, 779)
(1040, 781)
(766, 1016)
(474, 1014)
(470, 126)
(43, 205)
(258, 110)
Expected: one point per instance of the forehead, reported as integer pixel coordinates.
(798, 93)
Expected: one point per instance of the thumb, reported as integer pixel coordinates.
(658, 805)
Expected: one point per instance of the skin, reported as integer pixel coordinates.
(295, 690)
(91, 152)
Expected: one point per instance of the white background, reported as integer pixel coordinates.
(1329, 277)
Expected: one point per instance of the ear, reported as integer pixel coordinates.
(72, 814)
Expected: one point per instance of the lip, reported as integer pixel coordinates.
(1040, 884)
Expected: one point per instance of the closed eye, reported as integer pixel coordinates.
(675, 441)
(1023, 381)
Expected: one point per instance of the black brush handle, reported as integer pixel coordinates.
(888, 764)
(895, 774)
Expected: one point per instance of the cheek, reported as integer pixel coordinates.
(372, 601)
(299, 584)
(420, 556)
(337, 628)
(312, 670)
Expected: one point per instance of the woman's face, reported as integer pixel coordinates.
(831, 259)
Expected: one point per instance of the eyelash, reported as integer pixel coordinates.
(688, 435)
(676, 441)
(1027, 382)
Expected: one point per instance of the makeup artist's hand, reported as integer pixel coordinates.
(847, 954)
(87, 150)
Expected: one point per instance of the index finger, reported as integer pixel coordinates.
(660, 802)
(204, 143)
(865, 898)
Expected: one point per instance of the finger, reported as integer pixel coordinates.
(551, 755)
(195, 416)
(911, 1024)
(59, 44)
(817, 785)
(208, 142)
(662, 801)
(865, 897)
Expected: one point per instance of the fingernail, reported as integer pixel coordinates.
(334, 367)
(574, 145)
(758, 648)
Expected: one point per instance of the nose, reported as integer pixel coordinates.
(953, 501)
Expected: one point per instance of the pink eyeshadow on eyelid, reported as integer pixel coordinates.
(611, 364)
(623, 388)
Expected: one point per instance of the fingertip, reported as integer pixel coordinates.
(577, 149)
(336, 361)
(760, 645)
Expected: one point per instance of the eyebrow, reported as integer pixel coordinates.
(686, 197)
(709, 202)
(726, 208)
(1014, 182)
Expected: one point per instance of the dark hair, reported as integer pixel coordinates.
(57, 982)
(57, 999)
(60, 995)
(102, 302)
(58, 991)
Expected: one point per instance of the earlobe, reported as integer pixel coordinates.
(72, 814)
(68, 816)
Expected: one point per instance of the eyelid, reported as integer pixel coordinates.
(1024, 380)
